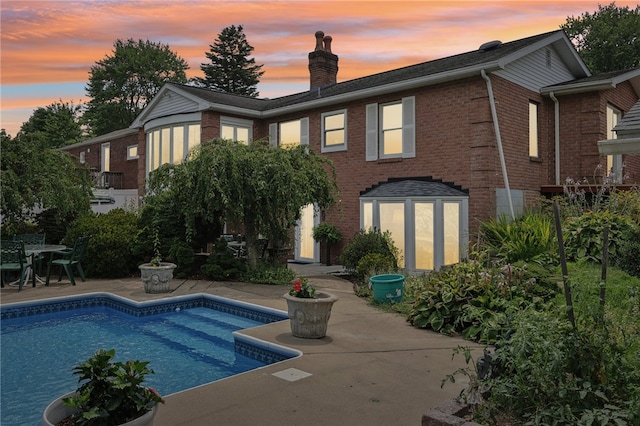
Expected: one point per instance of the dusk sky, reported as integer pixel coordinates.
(48, 47)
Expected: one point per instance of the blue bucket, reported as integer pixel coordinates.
(387, 288)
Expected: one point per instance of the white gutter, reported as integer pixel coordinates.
(496, 126)
(556, 120)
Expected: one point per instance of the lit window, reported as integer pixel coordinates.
(334, 131)
(170, 144)
(236, 129)
(289, 133)
(391, 130)
(533, 130)
(614, 162)
(132, 152)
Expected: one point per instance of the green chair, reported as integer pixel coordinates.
(67, 259)
(36, 258)
(13, 258)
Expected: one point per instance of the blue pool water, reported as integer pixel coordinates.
(188, 342)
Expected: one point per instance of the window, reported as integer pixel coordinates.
(236, 129)
(289, 133)
(170, 144)
(82, 157)
(334, 131)
(106, 157)
(132, 152)
(614, 162)
(428, 232)
(391, 130)
(533, 130)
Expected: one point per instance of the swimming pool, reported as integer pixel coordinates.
(188, 341)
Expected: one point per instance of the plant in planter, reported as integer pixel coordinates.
(328, 234)
(309, 310)
(112, 394)
(157, 275)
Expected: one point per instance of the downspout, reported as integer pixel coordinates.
(496, 127)
(556, 119)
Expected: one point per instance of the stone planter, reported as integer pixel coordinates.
(57, 411)
(309, 318)
(157, 279)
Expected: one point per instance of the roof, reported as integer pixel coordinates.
(629, 126)
(495, 57)
(604, 81)
(414, 187)
(116, 134)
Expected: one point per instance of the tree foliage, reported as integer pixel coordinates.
(40, 178)
(231, 69)
(54, 126)
(258, 186)
(608, 39)
(122, 84)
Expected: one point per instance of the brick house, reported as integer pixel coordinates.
(426, 151)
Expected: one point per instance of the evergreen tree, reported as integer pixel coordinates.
(231, 70)
(121, 85)
(608, 39)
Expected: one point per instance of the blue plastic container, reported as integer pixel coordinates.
(387, 288)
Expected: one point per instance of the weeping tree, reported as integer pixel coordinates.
(259, 186)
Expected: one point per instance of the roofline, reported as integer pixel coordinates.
(603, 84)
(102, 138)
(619, 146)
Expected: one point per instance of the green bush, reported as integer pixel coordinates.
(374, 264)
(628, 258)
(181, 253)
(222, 264)
(364, 243)
(528, 238)
(583, 235)
(473, 300)
(269, 273)
(109, 253)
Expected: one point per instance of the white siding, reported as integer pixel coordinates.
(533, 71)
(172, 104)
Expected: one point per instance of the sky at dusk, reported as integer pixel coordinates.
(48, 47)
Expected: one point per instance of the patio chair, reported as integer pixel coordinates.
(13, 258)
(67, 259)
(36, 258)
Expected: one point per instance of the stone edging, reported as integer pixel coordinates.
(447, 415)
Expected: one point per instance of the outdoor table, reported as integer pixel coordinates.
(34, 249)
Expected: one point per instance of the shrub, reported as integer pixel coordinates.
(628, 258)
(473, 300)
(109, 254)
(366, 242)
(530, 237)
(583, 235)
(222, 264)
(374, 264)
(269, 273)
(181, 253)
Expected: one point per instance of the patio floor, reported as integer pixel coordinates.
(372, 367)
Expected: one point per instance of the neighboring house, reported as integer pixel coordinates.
(426, 151)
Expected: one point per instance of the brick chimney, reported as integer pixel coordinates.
(323, 65)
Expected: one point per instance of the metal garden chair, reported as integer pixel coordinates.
(13, 258)
(36, 258)
(67, 259)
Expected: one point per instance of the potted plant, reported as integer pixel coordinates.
(157, 275)
(111, 394)
(328, 234)
(309, 310)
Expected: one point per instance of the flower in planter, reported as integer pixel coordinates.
(301, 288)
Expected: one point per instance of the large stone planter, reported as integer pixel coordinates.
(157, 279)
(309, 318)
(57, 411)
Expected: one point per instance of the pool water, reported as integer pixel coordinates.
(186, 347)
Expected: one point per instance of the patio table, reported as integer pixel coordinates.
(34, 249)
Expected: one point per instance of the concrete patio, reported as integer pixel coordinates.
(372, 368)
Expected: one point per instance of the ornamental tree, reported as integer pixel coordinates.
(260, 187)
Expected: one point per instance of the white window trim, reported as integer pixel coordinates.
(373, 131)
(333, 148)
(132, 157)
(237, 122)
(409, 223)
